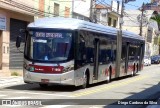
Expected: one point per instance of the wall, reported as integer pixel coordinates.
(82, 7)
(49, 7)
(113, 16)
(5, 39)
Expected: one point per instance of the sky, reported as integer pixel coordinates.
(136, 4)
(132, 4)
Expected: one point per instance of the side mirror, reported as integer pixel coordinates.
(22, 30)
(18, 41)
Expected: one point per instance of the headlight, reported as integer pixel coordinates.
(68, 68)
(28, 67)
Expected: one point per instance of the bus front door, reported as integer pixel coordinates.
(96, 58)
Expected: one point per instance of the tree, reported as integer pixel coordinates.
(157, 19)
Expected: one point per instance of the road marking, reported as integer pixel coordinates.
(20, 97)
(96, 107)
(25, 92)
(108, 87)
(61, 105)
(2, 95)
(56, 106)
(10, 106)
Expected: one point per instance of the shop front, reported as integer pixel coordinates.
(10, 24)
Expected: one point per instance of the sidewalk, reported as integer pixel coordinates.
(12, 80)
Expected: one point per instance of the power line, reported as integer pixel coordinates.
(133, 5)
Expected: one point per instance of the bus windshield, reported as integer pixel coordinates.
(49, 45)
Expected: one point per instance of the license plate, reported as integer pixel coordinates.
(45, 80)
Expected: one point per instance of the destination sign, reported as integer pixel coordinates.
(48, 35)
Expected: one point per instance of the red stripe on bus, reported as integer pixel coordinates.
(47, 69)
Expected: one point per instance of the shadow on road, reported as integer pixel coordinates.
(148, 95)
(58, 88)
(36, 87)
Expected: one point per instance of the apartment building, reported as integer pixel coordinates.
(107, 16)
(53, 8)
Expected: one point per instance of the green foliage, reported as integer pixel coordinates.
(157, 19)
(14, 74)
(158, 40)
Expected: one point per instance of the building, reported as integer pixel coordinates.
(53, 8)
(14, 15)
(107, 16)
(17, 14)
(81, 9)
(149, 29)
(102, 14)
(153, 5)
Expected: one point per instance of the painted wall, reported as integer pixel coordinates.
(64, 5)
(20, 6)
(82, 7)
(113, 17)
(5, 37)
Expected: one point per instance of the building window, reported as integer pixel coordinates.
(67, 11)
(56, 9)
(109, 21)
(114, 23)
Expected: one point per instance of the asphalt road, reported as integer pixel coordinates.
(116, 94)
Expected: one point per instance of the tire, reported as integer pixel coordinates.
(109, 76)
(134, 71)
(85, 81)
(43, 85)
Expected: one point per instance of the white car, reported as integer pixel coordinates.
(147, 61)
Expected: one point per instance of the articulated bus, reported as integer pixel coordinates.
(74, 52)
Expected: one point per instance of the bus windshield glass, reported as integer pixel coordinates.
(49, 45)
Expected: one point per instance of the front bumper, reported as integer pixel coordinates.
(64, 78)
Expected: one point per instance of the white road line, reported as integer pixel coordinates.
(95, 107)
(62, 105)
(2, 95)
(42, 94)
(20, 97)
(10, 106)
(56, 106)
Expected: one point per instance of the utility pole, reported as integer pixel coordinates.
(141, 19)
(92, 11)
(72, 8)
(119, 42)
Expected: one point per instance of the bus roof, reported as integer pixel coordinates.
(71, 23)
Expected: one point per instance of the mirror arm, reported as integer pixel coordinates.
(20, 50)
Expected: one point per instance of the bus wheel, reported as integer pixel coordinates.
(43, 85)
(137, 69)
(134, 71)
(108, 79)
(85, 81)
(109, 76)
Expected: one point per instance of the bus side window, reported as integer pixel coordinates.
(89, 54)
(81, 56)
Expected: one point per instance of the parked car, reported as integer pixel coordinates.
(155, 59)
(147, 60)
